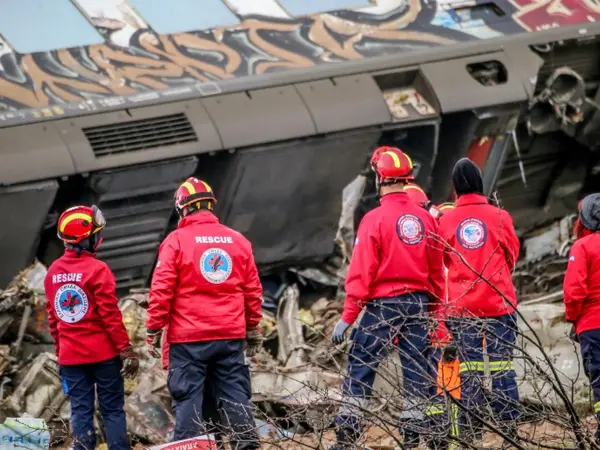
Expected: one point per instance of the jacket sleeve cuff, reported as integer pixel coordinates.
(349, 317)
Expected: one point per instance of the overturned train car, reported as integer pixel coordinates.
(279, 110)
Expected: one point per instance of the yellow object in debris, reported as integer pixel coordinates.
(307, 317)
(102, 447)
(267, 325)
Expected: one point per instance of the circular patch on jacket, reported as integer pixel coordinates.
(216, 265)
(71, 303)
(410, 229)
(471, 233)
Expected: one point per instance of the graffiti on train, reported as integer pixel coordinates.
(134, 59)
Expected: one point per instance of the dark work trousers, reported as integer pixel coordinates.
(81, 382)
(500, 334)
(189, 366)
(211, 409)
(383, 320)
(590, 351)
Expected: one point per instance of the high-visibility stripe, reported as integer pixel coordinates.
(394, 158)
(433, 410)
(73, 217)
(501, 366)
(206, 186)
(414, 186)
(597, 407)
(190, 187)
(409, 160)
(472, 366)
(454, 429)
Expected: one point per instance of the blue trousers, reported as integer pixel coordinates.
(404, 317)
(189, 366)
(500, 335)
(211, 408)
(81, 382)
(590, 351)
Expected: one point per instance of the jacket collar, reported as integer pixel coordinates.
(394, 197)
(83, 254)
(471, 199)
(198, 218)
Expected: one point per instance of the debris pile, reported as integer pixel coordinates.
(295, 369)
(299, 372)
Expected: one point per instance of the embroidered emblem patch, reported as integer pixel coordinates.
(216, 265)
(71, 303)
(410, 229)
(471, 234)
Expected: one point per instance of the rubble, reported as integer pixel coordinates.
(298, 370)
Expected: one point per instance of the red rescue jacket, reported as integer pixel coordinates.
(395, 253)
(83, 313)
(582, 284)
(484, 236)
(205, 285)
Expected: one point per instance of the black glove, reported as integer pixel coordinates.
(450, 352)
(254, 341)
(131, 364)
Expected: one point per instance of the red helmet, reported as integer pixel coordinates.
(191, 191)
(446, 206)
(438, 211)
(391, 165)
(415, 193)
(79, 223)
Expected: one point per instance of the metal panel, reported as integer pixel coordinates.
(458, 91)
(292, 191)
(262, 116)
(345, 103)
(86, 161)
(26, 207)
(33, 152)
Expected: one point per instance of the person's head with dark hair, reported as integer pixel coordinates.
(467, 178)
(589, 212)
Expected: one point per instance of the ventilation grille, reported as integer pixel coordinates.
(142, 134)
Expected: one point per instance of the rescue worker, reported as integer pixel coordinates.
(86, 324)
(582, 292)
(206, 288)
(482, 250)
(394, 273)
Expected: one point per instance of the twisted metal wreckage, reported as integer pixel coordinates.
(299, 367)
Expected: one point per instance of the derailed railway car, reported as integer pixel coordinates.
(278, 106)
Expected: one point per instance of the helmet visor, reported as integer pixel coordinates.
(98, 219)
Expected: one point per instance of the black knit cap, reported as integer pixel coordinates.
(590, 212)
(466, 177)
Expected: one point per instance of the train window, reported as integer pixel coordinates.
(179, 16)
(306, 7)
(31, 26)
(488, 73)
(488, 12)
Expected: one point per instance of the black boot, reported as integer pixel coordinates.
(411, 438)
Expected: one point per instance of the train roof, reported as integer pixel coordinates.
(117, 54)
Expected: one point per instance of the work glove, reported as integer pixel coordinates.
(450, 352)
(573, 334)
(339, 332)
(254, 341)
(131, 364)
(153, 342)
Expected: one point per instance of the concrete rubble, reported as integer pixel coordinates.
(299, 373)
